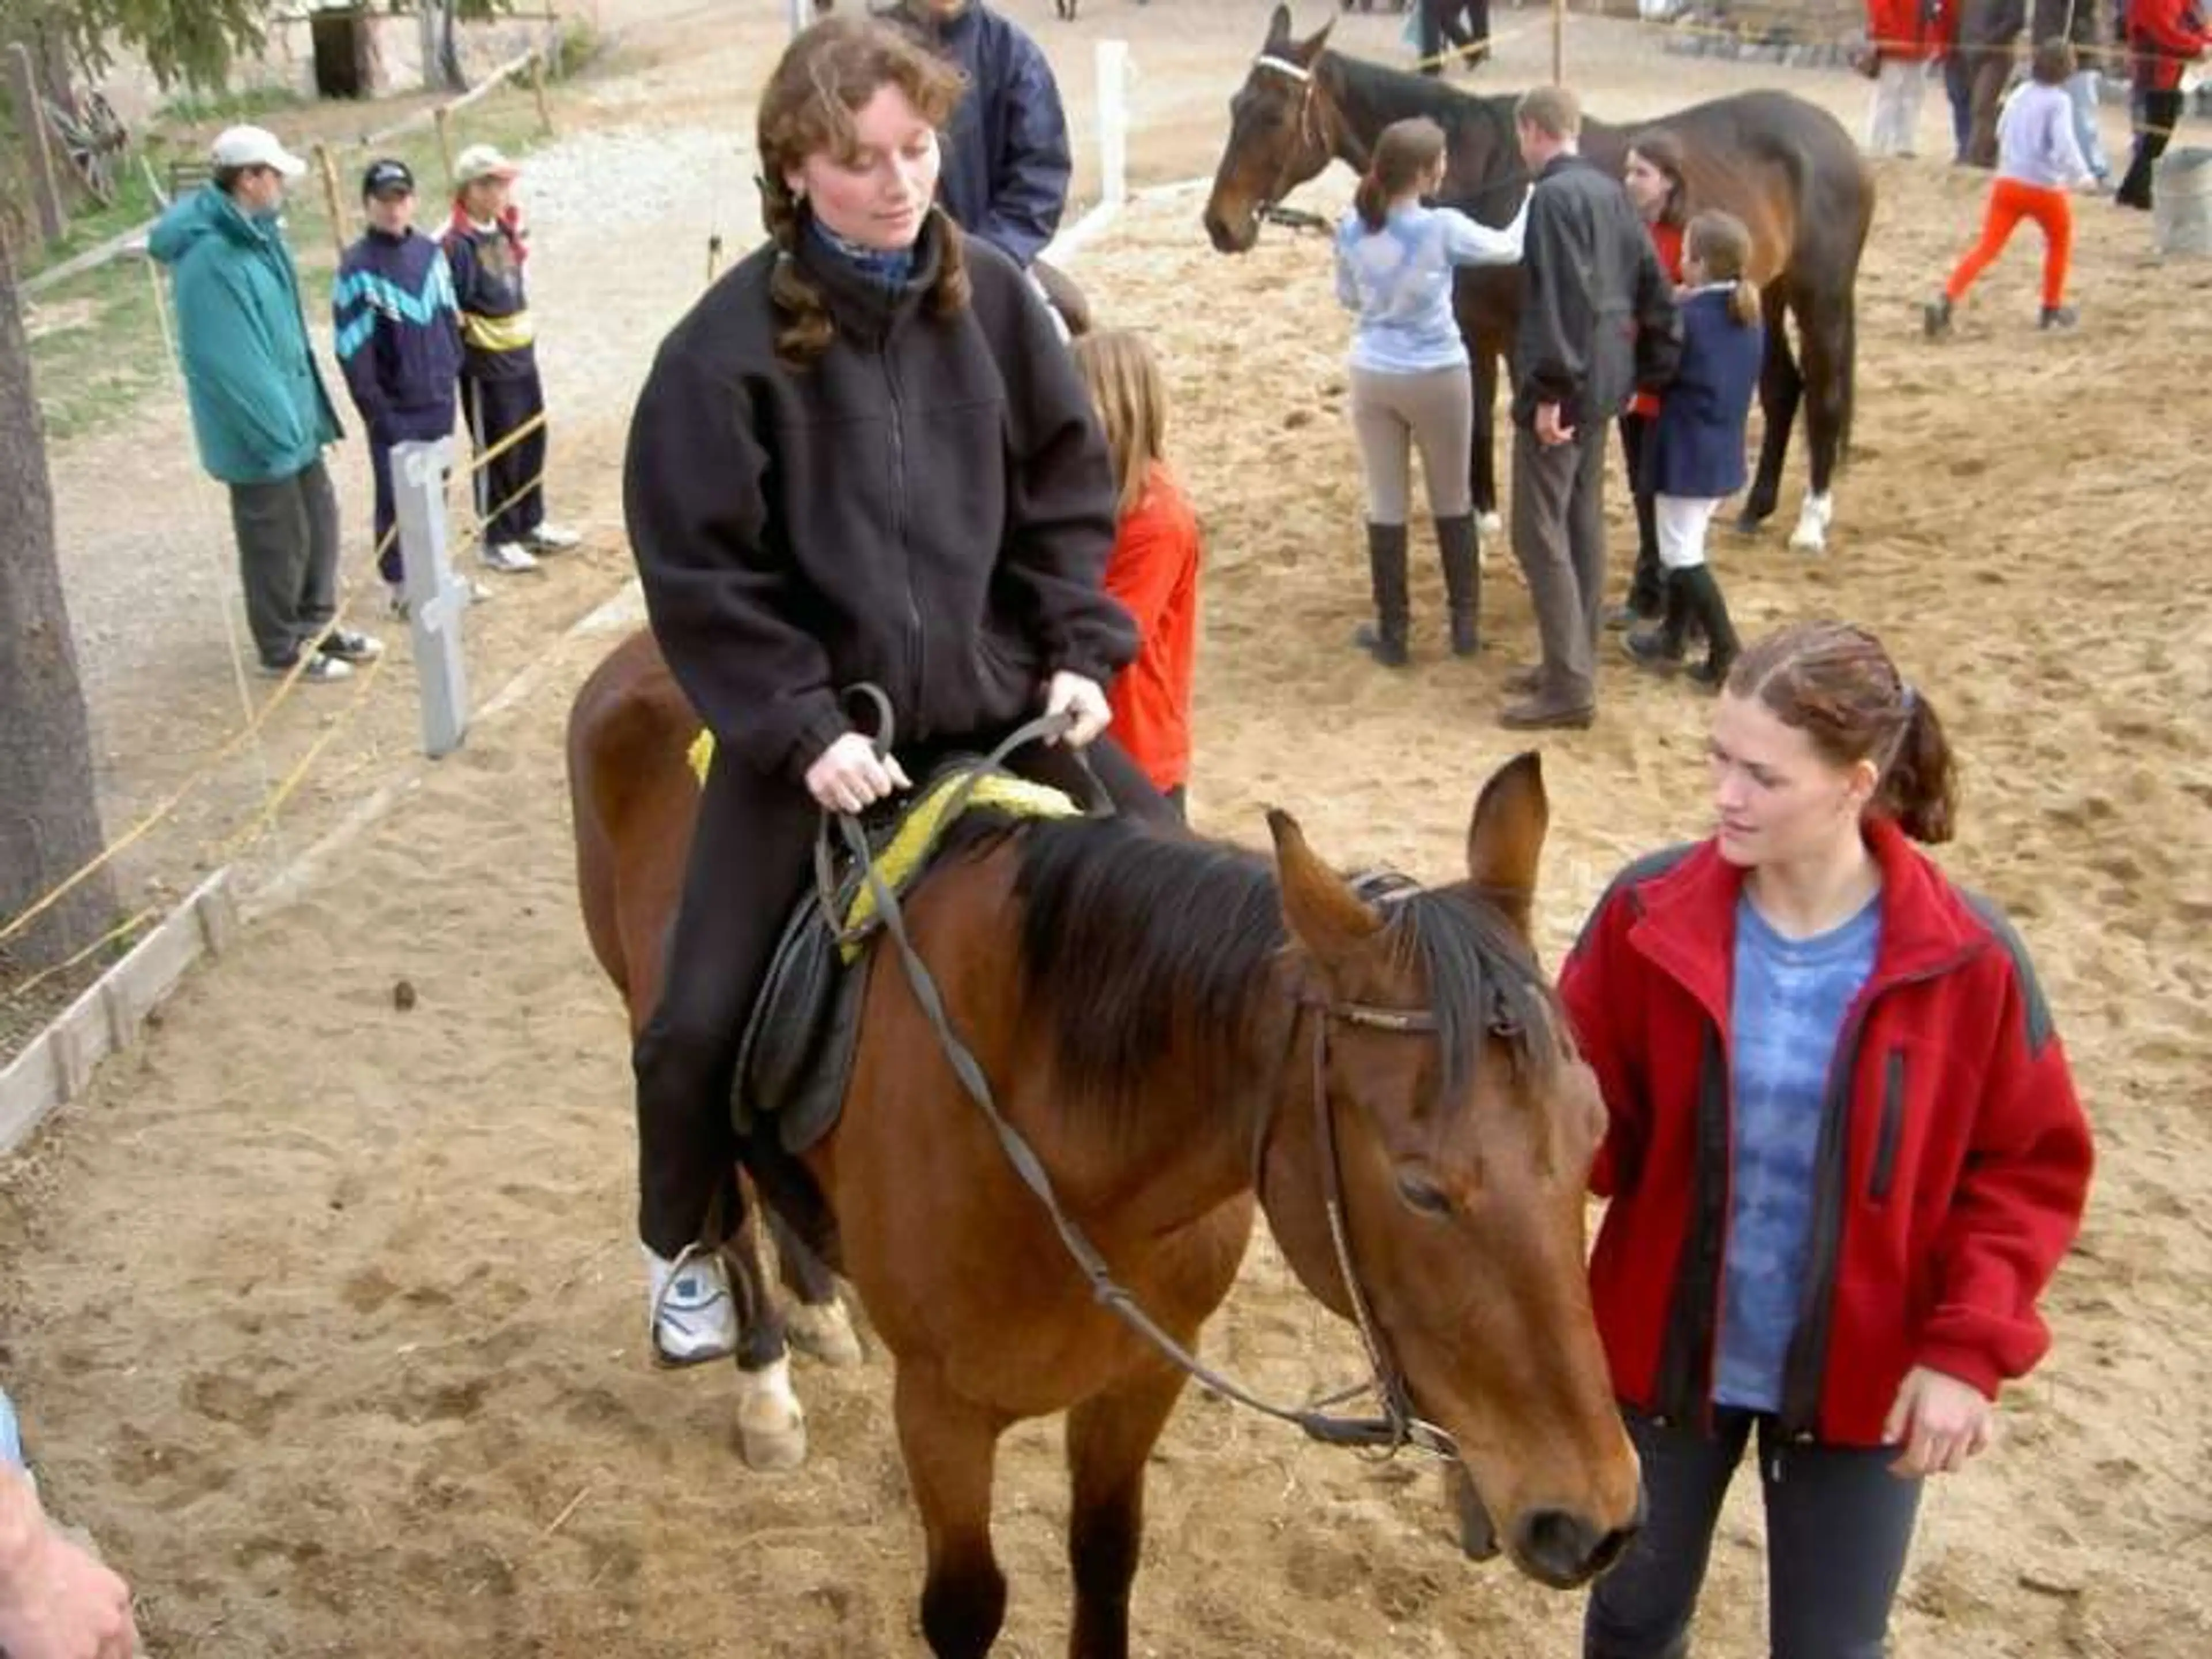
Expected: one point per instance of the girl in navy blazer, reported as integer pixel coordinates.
(1694, 460)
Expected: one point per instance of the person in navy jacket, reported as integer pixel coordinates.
(1694, 458)
(1006, 157)
(398, 338)
(1843, 1154)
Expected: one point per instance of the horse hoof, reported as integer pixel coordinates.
(825, 1332)
(1811, 535)
(1488, 526)
(771, 1424)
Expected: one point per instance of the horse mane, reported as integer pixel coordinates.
(1371, 95)
(1135, 944)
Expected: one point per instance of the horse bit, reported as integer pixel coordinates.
(1397, 1426)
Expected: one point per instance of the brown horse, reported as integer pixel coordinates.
(1788, 169)
(633, 796)
(1177, 1028)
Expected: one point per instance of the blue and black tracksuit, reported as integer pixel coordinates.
(501, 392)
(398, 338)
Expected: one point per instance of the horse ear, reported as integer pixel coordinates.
(1324, 914)
(1278, 27)
(1506, 837)
(1310, 48)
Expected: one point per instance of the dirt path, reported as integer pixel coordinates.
(323, 1315)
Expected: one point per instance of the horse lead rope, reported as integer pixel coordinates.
(1398, 1427)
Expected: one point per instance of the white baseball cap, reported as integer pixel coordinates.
(254, 147)
(482, 161)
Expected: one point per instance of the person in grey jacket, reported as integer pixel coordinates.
(1597, 320)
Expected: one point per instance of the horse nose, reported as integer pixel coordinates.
(1217, 229)
(1563, 1549)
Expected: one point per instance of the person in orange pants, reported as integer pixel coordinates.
(2038, 161)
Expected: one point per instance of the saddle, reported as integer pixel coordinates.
(795, 1057)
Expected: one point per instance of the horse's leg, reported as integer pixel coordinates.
(951, 1446)
(818, 1323)
(1779, 387)
(771, 1426)
(1825, 328)
(1110, 1437)
(1481, 455)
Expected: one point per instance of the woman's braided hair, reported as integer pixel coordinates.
(827, 74)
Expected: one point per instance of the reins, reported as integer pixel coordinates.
(1397, 1426)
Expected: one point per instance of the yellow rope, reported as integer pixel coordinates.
(18, 993)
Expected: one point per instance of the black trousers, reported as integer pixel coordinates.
(1839, 1526)
(750, 857)
(411, 426)
(1645, 587)
(1455, 24)
(2159, 114)
(510, 492)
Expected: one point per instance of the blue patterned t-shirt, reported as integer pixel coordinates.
(1786, 1012)
(1399, 280)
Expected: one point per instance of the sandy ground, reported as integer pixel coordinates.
(323, 1315)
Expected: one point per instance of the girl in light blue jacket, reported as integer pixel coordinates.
(1411, 384)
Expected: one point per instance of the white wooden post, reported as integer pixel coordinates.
(436, 599)
(802, 13)
(1113, 122)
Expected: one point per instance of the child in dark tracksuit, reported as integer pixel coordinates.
(1694, 456)
(501, 392)
(398, 338)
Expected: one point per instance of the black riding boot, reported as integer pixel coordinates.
(1702, 600)
(1661, 649)
(1462, 582)
(1384, 639)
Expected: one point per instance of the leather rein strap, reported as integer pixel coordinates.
(1397, 1426)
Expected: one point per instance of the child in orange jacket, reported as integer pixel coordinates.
(1153, 570)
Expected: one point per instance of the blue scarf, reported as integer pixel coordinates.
(890, 268)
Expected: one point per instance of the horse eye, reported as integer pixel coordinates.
(1423, 1196)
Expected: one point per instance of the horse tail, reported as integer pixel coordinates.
(1851, 341)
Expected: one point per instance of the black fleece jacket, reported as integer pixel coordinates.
(927, 506)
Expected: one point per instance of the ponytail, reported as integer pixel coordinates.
(1743, 304)
(1919, 787)
(1371, 201)
(1404, 152)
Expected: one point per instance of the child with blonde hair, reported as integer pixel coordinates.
(1153, 569)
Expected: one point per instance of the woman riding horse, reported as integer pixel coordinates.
(864, 456)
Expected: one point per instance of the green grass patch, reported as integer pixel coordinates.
(229, 108)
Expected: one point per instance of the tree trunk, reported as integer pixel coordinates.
(450, 73)
(49, 814)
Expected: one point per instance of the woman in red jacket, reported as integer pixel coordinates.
(2164, 37)
(1902, 35)
(1844, 1152)
(1652, 176)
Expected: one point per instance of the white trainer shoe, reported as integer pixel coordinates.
(508, 558)
(551, 537)
(693, 1317)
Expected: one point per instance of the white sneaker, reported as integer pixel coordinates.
(693, 1318)
(551, 537)
(508, 558)
(349, 645)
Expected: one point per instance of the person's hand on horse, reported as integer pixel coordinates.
(1940, 1421)
(1551, 430)
(56, 1602)
(850, 775)
(1084, 701)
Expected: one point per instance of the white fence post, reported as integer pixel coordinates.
(436, 599)
(1113, 122)
(802, 12)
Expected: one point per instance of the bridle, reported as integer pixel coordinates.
(1397, 1426)
(1312, 126)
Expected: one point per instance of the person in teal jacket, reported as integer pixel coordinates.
(260, 410)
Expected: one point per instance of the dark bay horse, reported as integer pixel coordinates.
(1182, 1030)
(1787, 168)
